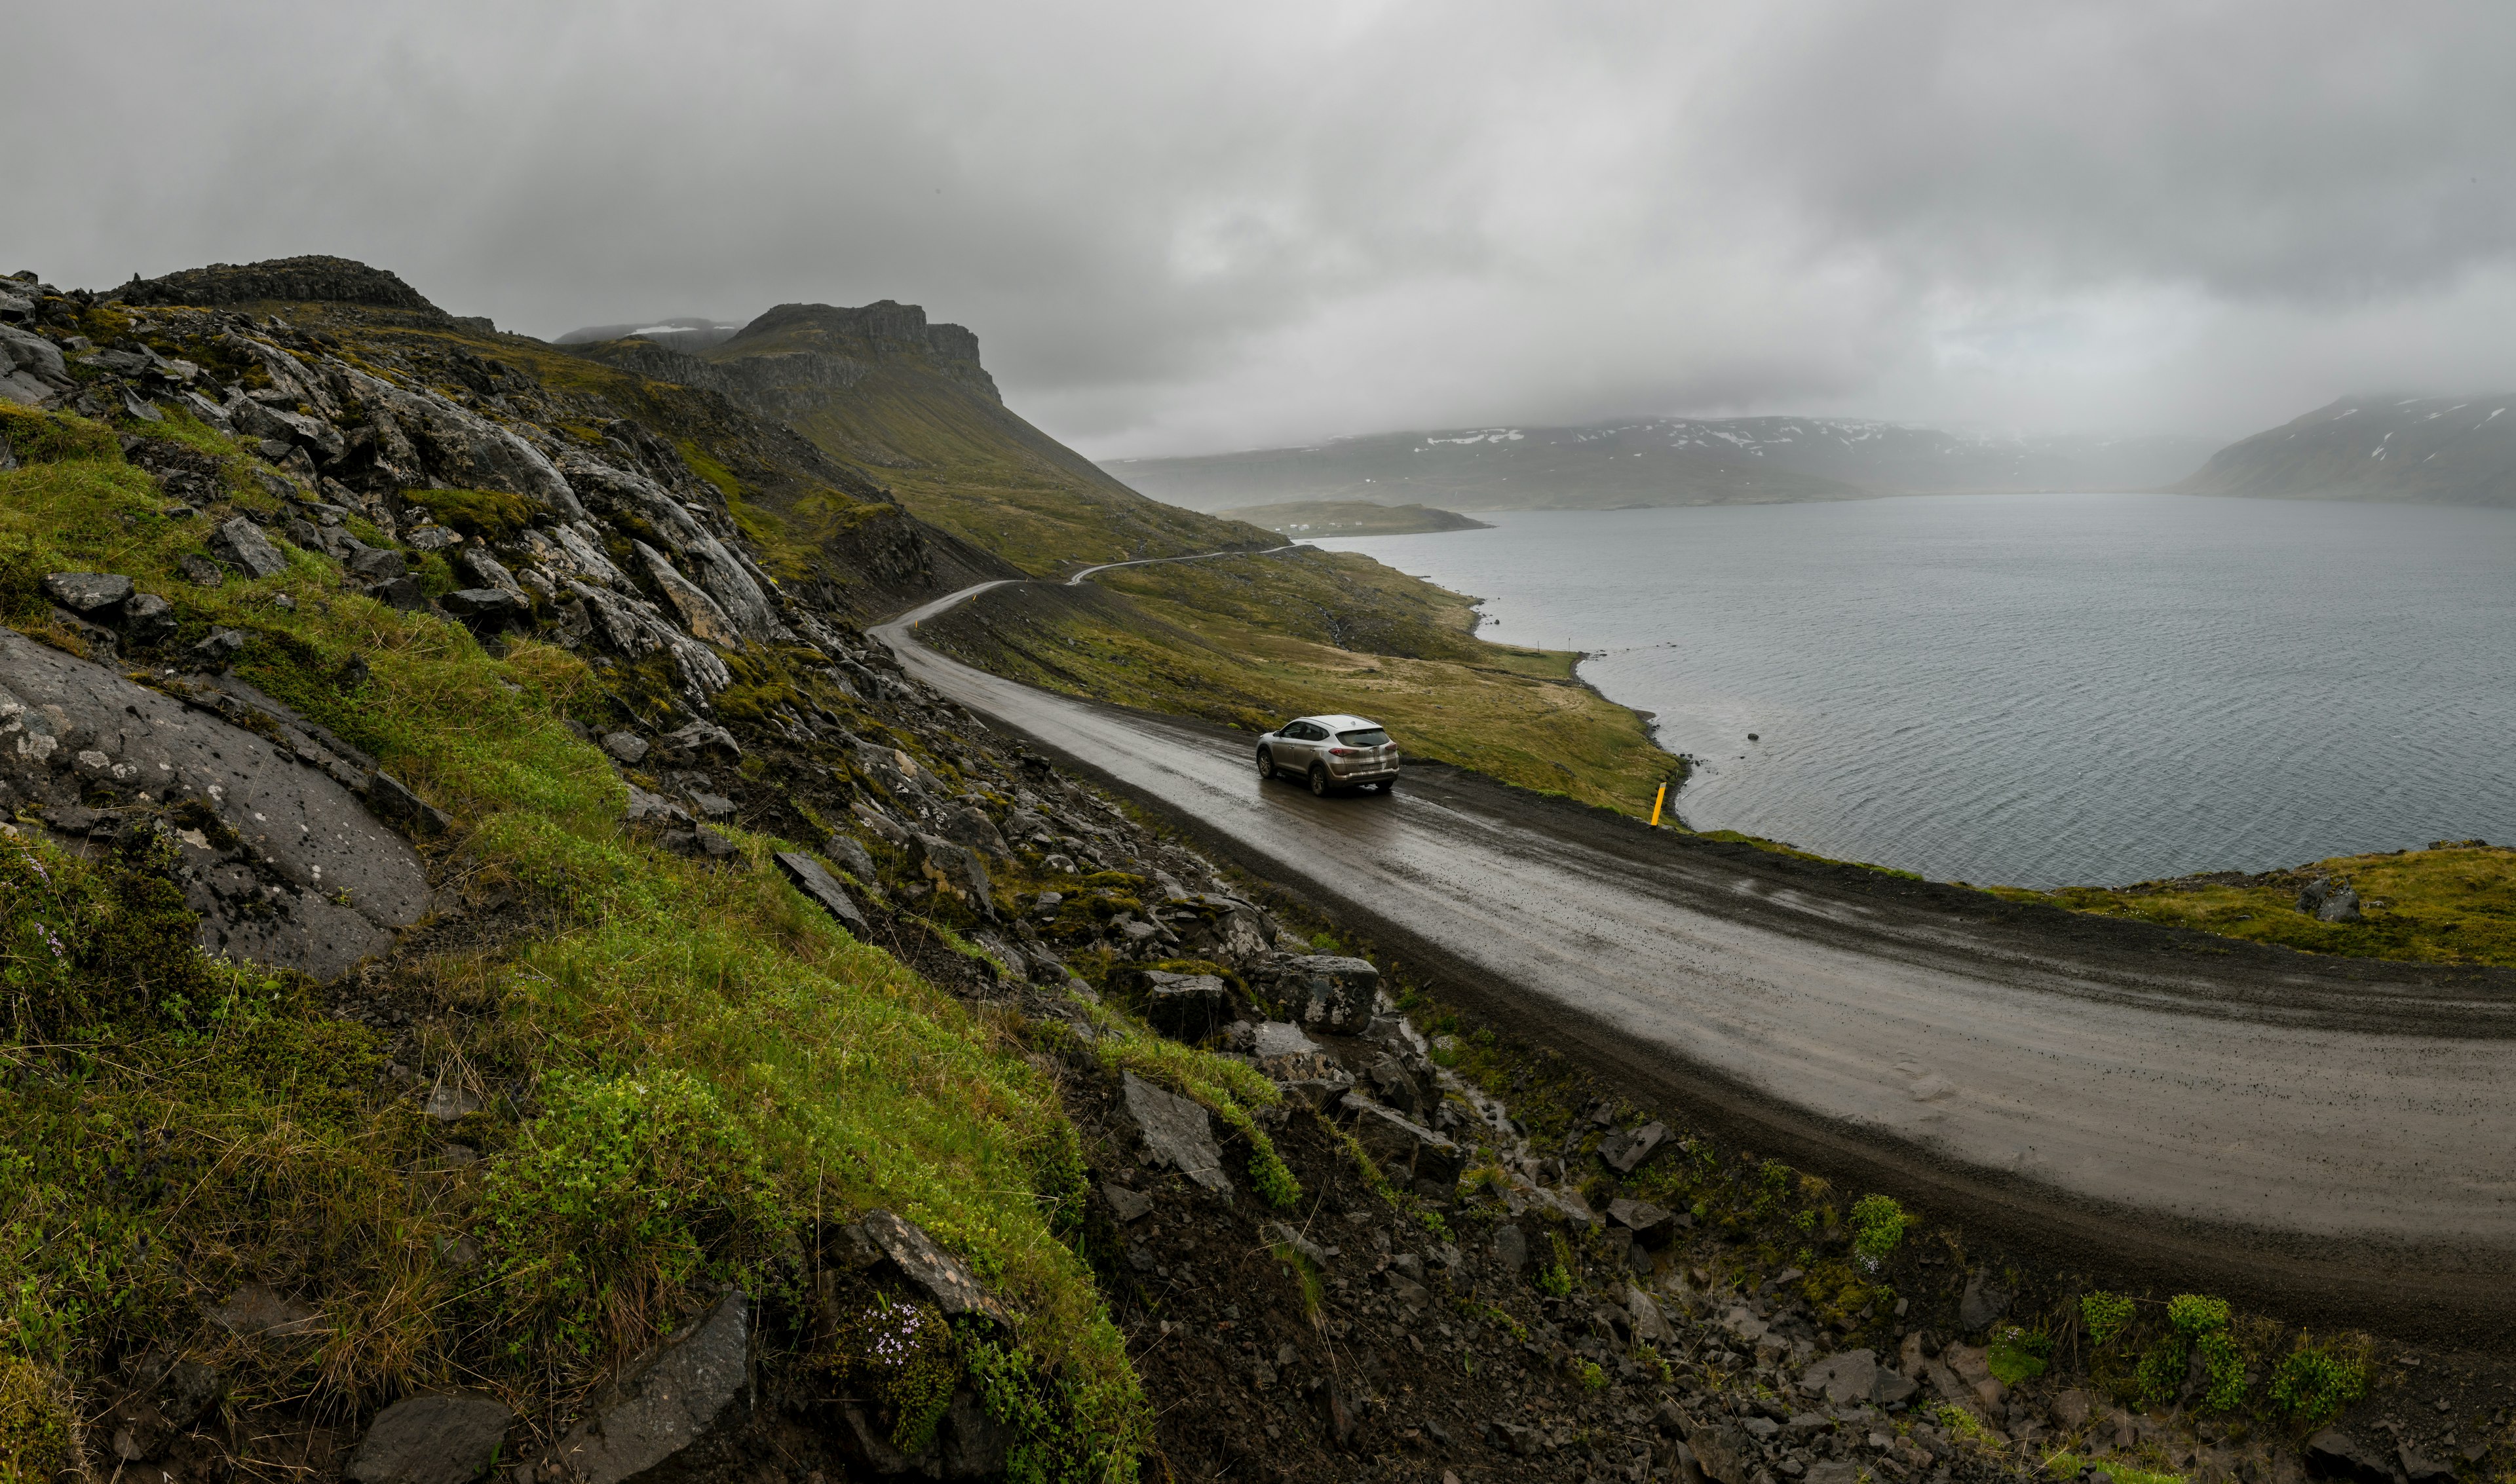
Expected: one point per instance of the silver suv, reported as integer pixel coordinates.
(1330, 752)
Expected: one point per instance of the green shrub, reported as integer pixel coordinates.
(1878, 1225)
(2223, 1366)
(34, 1422)
(2192, 1320)
(2106, 1315)
(2314, 1383)
(1555, 1280)
(88, 952)
(902, 1354)
(620, 1196)
(1592, 1377)
(2195, 1316)
(2016, 1355)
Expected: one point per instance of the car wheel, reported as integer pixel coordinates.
(1265, 763)
(1319, 779)
(1388, 787)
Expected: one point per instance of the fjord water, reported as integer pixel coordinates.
(2040, 690)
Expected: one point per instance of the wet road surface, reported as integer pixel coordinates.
(2338, 1130)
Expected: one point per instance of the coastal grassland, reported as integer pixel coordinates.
(683, 1075)
(1249, 641)
(1354, 518)
(2451, 904)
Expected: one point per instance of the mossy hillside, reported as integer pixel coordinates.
(1250, 641)
(248, 1136)
(960, 461)
(2450, 903)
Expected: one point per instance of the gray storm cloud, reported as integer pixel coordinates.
(1178, 229)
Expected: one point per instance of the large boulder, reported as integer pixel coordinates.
(672, 1397)
(1651, 1226)
(1326, 992)
(302, 874)
(1185, 1006)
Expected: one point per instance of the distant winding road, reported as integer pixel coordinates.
(2334, 1136)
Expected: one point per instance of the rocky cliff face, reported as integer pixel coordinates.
(337, 280)
(838, 347)
(2437, 451)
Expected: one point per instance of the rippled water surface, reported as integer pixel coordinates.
(2040, 689)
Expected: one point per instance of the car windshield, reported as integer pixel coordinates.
(1369, 737)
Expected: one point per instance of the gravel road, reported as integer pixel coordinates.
(2335, 1137)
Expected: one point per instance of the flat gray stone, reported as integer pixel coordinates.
(668, 1400)
(1127, 1205)
(628, 746)
(259, 1309)
(296, 822)
(1849, 1378)
(86, 593)
(1643, 1311)
(242, 542)
(1283, 1038)
(1176, 1131)
(815, 882)
(930, 1267)
(851, 857)
(431, 1440)
(1621, 1152)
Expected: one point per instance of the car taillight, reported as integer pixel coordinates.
(1343, 751)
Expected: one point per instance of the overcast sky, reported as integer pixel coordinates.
(1182, 227)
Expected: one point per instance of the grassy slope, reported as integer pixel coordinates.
(176, 1127)
(1249, 641)
(959, 459)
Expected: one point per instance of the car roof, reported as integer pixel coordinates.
(1338, 721)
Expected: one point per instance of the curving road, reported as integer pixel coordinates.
(2333, 1135)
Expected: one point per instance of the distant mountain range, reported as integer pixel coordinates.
(2434, 451)
(1660, 461)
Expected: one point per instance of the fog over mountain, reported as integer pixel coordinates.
(1662, 461)
(1187, 229)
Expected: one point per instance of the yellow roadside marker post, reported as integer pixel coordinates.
(1656, 802)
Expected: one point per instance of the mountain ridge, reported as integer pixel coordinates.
(1660, 461)
(882, 387)
(2421, 449)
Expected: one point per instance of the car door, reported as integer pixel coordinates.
(1304, 749)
